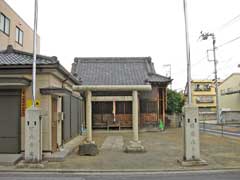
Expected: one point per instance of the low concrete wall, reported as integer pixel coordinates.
(230, 116)
(175, 120)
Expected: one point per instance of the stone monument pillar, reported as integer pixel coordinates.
(191, 155)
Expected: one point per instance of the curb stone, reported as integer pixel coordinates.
(25, 170)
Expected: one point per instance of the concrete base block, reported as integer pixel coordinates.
(193, 163)
(55, 157)
(24, 164)
(134, 147)
(88, 149)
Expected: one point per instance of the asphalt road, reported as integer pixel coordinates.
(213, 175)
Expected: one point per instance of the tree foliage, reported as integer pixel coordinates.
(175, 102)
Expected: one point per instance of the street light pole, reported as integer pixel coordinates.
(205, 36)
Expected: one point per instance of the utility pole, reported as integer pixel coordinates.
(189, 89)
(216, 78)
(34, 54)
(33, 121)
(205, 36)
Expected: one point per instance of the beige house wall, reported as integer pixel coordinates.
(16, 20)
(231, 101)
(44, 81)
(55, 82)
(45, 105)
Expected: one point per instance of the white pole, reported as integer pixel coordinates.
(188, 53)
(170, 72)
(34, 54)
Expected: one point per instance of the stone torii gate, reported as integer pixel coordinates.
(134, 145)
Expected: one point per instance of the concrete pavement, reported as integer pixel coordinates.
(9, 159)
(12, 159)
(163, 151)
(113, 143)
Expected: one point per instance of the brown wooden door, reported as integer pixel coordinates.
(54, 124)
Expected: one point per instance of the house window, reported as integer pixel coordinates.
(202, 87)
(96, 108)
(19, 36)
(124, 107)
(197, 87)
(207, 87)
(120, 108)
(107, 107)
(128, 107)
(148, 107)
(4, 24)
(102, 107)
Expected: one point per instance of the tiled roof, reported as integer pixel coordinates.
(116, 71)
(11, 56)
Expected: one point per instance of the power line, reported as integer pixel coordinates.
(204, 57)
(194, 64)
(209, 75)
(221, 70)
(229, 22)
(200, 60)
(226, 61)
(227, 66)
(228, 42)
(226, 73)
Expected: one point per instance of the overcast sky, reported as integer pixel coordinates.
(102, 28)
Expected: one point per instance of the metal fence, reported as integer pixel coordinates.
(224, 129)
(74, 117)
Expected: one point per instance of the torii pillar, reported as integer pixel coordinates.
(135, 145)
(135, 115)
(89, 116)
